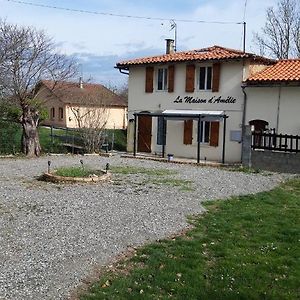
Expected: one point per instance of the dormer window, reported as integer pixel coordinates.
(205, 78)
(162, 79)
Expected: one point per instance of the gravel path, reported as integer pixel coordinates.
(52, 236)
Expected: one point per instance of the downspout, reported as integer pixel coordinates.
(278, 109)
(244, 116)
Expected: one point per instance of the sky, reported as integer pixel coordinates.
(98, 41)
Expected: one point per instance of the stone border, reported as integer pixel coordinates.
(181, 162)
(52, 177)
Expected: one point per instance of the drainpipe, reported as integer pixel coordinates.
(244, 116)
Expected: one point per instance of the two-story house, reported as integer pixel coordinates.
(190, 103)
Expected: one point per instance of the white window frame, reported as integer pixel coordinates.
(165, 79)
(205, 83)
(202, 133)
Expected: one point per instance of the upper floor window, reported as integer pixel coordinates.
(162, 79)
(205, 78)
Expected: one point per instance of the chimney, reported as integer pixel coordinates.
(170, 46)
(80, 83)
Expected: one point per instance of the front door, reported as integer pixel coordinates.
(144, 133)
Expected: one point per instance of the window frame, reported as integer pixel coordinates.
(52, 113)
(205, 130)
(206, 89)
(61, 113)
(165, 79)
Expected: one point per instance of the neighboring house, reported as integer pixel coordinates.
(273, 98)
(74, 105)
(190, 103)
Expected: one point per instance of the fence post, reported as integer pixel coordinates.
(246, 147)
(52, 138)
(113, 139)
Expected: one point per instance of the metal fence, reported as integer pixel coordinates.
(72, 140)
(276, 142)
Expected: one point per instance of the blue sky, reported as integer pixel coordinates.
(98, 41)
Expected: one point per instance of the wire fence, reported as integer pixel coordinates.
(58, 139)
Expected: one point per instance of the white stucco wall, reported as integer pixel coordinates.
(230, 86)
(279, 106)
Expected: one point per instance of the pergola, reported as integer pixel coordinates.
(184, 115)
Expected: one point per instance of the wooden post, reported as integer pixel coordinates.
(224, 139)
(198, 139)
(134, 136)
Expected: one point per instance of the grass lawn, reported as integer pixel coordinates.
(76, 172)
(10, 139)
(244, 248)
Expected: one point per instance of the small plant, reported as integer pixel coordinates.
(139, 170)
(244, 169)
(75, 172)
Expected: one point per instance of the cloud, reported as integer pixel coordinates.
(100, 41)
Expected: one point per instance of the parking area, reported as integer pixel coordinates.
(54, 235)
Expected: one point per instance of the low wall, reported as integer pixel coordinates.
(276, 161)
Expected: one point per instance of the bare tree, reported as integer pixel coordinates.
(26, 57)
(91, 121)
(280, 37)
(123, 91)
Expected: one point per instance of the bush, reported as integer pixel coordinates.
(10, 137)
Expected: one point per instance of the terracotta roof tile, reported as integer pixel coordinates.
(90, 94)
(283, 71)
(210, 53)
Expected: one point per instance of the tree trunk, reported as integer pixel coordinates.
(30, 137)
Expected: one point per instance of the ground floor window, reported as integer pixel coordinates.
(205, 132)
(209, 132)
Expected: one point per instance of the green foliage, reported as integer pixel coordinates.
(10, 112)
(10, 137)
(40, 107)
(243, 248)
(120, 138)
(75, 172)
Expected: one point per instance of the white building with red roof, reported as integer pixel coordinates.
(194, 104)
(273, 96)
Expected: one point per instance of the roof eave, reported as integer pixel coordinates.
(266, 83)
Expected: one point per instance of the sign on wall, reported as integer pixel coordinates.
(197, 100)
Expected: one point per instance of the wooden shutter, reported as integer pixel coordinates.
(149, 80)
(188, 132)
(171, 77)
(216, 77)
(190, 79)
(214, 134)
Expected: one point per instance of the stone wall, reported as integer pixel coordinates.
(268, 160)
(276, 161)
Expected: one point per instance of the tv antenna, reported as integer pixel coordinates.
(174, 27)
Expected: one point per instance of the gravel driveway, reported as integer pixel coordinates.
(52, 236)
